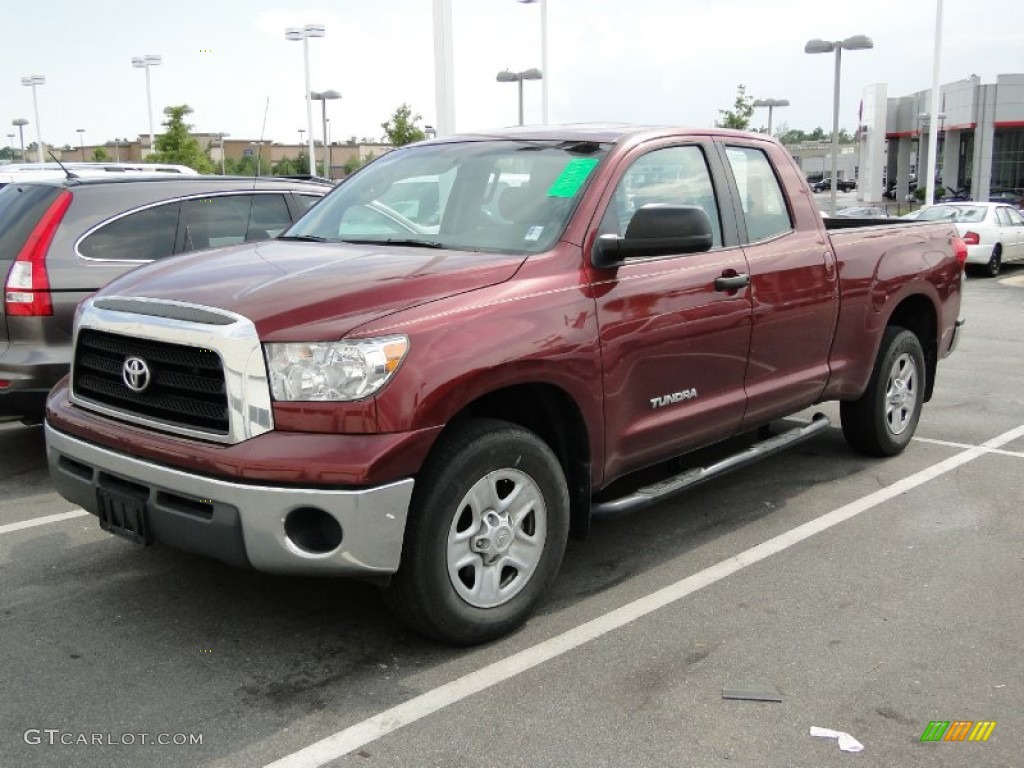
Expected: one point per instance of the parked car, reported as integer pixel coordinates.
(435, 411)
(1008, 196)
(61, 240)
(863, 212)
(843, 185)
(19, 172)
(994, 232)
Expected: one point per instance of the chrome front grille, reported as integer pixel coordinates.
(198, 371)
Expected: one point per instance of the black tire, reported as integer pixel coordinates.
(875, 424)
(489, 457)
(995, 262)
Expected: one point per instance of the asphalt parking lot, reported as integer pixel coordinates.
(872, 597)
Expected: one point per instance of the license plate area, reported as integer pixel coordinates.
(123, 514)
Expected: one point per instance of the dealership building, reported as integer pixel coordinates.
(980, 140)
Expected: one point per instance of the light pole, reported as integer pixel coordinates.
(10, 143)
(33, 81)
(323, 97)
(771, 104)
(21, 122)
(517, 77)
(117, 150)
(221, 136)
(145, 62)
(259, 152)
(543, 55)
(303, 34)
(855, 43)
(81, 141)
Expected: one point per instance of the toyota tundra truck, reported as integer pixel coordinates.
(471, 348)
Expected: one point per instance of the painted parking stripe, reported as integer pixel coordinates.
(359, 735)
(36, 522)
(949, 444)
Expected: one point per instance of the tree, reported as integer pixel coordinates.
(401, 128)
(177, 145)
(739, 116)
(8, 153)
(354, 163)
(100, 155)
(288, 166)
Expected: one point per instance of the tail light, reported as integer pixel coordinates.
(972, 238)
(960, 250)
(27, 291)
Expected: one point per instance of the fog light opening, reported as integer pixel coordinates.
(312, 530)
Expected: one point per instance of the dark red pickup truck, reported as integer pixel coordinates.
(439, 371)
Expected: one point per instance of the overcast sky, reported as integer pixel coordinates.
(641, 61)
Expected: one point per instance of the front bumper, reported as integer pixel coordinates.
(239, 523)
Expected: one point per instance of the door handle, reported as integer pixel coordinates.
(732, 282)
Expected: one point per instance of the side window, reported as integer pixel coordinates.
(675, 175)
(267, 218)
(211, 222)
(1003, 217)
(764, 206)
(304, 202)
(1015, 218)
(141, 236)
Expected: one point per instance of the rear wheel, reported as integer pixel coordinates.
(995, 262)
(883, 420)
(486, 533)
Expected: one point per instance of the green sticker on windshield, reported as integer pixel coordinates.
(572, 177)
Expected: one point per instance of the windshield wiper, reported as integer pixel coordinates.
(303, 238)
(395, 241)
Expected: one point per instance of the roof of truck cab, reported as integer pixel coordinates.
(610, 133)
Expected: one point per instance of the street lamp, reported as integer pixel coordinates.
(303, 34)
(323, 97)
(81, 141)
(145, 62)
(517, 77)
(855, 43)
(10, 143)
(221, 136)
(21, 122)
(771, 104)
(117, 150)
(33, 81)
(543, 55)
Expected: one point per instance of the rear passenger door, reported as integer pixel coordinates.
(793, 280)
(674, 346)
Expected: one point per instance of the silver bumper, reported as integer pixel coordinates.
(235, 522)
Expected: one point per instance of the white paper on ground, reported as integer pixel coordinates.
(846, 742)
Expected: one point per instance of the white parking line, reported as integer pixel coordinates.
(373, 728)
(12, 527)
(948, 444)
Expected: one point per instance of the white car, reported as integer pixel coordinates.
(994, 232)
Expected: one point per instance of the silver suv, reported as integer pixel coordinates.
(62, 240)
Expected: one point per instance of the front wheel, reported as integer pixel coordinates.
(487, 530)
(882, 421)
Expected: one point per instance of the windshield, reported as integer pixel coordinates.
(511, 196)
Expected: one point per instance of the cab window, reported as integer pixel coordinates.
(761, 198)
(674, 175)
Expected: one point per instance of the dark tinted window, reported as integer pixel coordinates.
(141, 236)
(211, 222)
(268, 217)
(21, 207)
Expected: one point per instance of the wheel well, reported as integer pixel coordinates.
(917, 315)
(553, 415)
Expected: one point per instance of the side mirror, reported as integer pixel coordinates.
(656, 229)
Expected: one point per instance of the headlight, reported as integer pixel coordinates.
(339, 370)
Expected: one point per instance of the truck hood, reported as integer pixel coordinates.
(295, 291)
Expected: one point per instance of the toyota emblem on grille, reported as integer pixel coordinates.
(135, 374)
